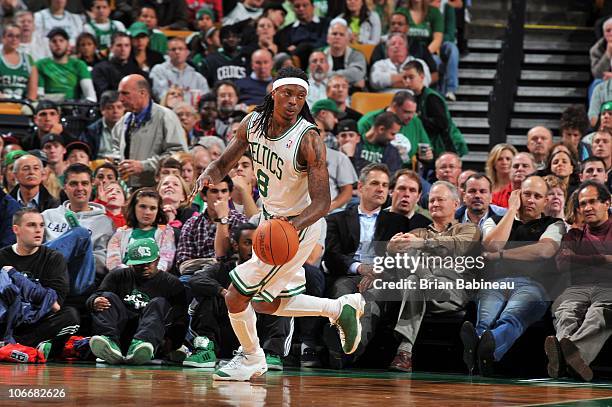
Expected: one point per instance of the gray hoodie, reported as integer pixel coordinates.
(99, 225)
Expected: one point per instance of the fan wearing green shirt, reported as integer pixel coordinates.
(426, 24)
(62, 74)
(404, 106)
(434, 113)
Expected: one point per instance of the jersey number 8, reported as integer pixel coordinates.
(262, 183)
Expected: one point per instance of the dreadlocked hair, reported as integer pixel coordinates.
(266, 108)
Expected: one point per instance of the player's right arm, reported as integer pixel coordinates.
(219, 168)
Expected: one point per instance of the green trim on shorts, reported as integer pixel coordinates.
(293, 292)
(268, 276)
(266, 296)
(240, 285)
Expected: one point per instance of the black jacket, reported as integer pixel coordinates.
(170, 13)
(210, 281)
(45, 199)
(343, 232)
(92, 136)
(107, 74)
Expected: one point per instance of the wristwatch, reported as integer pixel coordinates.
(224, 220)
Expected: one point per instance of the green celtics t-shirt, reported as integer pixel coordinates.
(62, 78)
(371, 152)
(433, 23)
(14, 78)
(407, 144)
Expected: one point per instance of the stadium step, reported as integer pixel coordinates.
(479, 157)
(474, 90)
(537, 75)
(556, 59)
(536, 45)
(528, 107)
(480, 44)
(471, 123)
(479, 57)
(527, 124)
(539, 91)
(461, 106)
(483, 139)
(476, 74)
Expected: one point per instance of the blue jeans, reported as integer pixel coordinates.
(76, 247)
(508, 313)
(448, 67)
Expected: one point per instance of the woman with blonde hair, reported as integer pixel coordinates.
(173, 96)
(498, 165)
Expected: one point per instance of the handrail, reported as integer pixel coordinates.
(501, 98)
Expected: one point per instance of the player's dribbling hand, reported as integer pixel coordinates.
(202, 182)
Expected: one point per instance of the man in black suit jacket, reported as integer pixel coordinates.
(350, 245)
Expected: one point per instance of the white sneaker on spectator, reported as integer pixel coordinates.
(451, 96)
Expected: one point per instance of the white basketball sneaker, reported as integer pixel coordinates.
(348, 324)
(243, 367)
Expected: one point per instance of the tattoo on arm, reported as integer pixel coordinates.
(312, 154)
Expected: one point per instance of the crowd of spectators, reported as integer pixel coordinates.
(128, 269)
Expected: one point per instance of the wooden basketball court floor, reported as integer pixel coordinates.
(102, 385)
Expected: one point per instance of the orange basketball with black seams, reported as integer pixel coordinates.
(276, 242)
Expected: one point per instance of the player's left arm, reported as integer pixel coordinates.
(312, 155)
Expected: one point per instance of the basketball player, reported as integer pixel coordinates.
(291, 171)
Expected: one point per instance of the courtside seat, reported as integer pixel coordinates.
(366, 50)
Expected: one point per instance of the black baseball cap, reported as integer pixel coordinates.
(347, 125)
(51, 137)
(58, 31)
(275, 6)
(46, 105)
(78, 145)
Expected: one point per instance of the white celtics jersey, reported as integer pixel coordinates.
(282, 184)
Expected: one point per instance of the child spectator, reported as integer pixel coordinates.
(87, 50)
(144, 219)
(114, 200)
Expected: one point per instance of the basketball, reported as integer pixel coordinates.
(276, 242)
